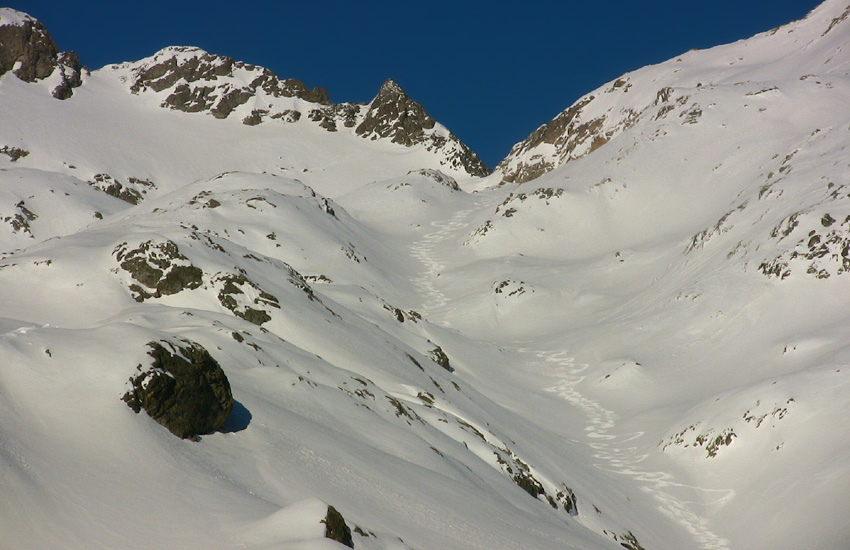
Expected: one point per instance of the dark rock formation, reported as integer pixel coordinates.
(159, 267)
(25, 43)
(395, 116)
(29, 44)
(68, 64)
(20, 222)
(527, 483)
(336, 529)
(324, 119)
(232, 286)
(14, 153)
(629, 542)
(439, 356)
(392, 114)
(131, 192)
(184, 389)
(568, 500)
(202, 87)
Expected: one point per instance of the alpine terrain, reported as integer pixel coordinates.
(236, 314)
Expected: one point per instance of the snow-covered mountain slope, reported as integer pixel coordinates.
(693, 266)
(808, 50)
(319, 362)
(644, 347)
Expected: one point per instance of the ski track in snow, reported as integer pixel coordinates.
(624, 460)
(608, 446)
(424, 252)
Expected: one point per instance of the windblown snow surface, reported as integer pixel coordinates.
(644, 347)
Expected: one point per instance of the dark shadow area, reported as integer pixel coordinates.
(238, 419)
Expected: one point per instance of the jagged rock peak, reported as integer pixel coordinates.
(397, 117)
(27, 49)
(390, 86)
(392, 114)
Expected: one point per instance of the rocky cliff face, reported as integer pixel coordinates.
(28, 51)
(569, 135)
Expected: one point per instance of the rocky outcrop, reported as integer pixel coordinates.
(14, 153)
(29, 52)
(200, 81)
(131, 192)
(68, 65)
(439, 356)
(571, 134)
(232, 295)
(159, 268)
(395, 116)
(336, 529)
(184, 389)
(20, 221)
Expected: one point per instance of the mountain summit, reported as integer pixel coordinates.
(392, 114)
(27, 50)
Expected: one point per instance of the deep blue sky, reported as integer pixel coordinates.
(491, 71)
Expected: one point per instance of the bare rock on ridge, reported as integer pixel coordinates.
(200, 81)
(395, 116)
(27, 49)
(336, 529)
(392, 114)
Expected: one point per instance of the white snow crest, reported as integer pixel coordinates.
(11, 17)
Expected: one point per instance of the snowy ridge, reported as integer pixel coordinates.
(8, 16)
(805, 49)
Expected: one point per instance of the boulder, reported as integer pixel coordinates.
(184, 389)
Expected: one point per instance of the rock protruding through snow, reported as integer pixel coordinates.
(184, 389)
(29, 52)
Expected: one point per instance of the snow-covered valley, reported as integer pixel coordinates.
(237, 315)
